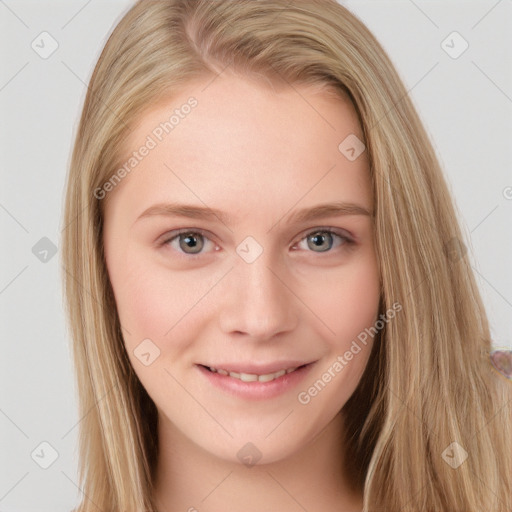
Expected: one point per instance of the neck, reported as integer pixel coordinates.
(190, 479)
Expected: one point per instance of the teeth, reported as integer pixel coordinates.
(266, 378)
(248, 377)
(251, 377)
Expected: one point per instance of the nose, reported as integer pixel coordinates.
(259, 300)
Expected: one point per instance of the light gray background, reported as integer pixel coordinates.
(466, 105)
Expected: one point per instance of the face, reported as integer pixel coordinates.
(221, 256)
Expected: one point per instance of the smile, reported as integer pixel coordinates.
(252, 377)
(250, 382)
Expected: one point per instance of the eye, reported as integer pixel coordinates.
(190, 242)
(323, 239)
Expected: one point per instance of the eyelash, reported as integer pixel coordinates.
(345, 240)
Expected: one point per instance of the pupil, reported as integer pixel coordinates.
(189, 239)
(191, 242)
(318, 239)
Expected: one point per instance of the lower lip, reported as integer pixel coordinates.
(256, 390)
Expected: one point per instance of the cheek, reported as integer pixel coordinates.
(348, 301)
(151, 302)
(349, 304)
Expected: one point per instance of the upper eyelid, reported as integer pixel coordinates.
(342, 233)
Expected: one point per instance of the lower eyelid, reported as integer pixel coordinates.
(345, 240)
(169, 239)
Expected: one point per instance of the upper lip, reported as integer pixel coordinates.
(257, 369)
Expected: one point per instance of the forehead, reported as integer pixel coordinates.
(225, 139)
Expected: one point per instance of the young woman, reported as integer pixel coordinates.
(269, 295)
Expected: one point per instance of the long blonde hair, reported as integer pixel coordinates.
(429, 381)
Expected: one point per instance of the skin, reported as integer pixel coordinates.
(259, 153)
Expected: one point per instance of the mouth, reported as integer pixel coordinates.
(254, 377)
(249, 381)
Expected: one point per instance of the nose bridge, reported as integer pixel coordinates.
(259, 303)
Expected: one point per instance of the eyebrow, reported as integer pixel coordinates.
(336, 209)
